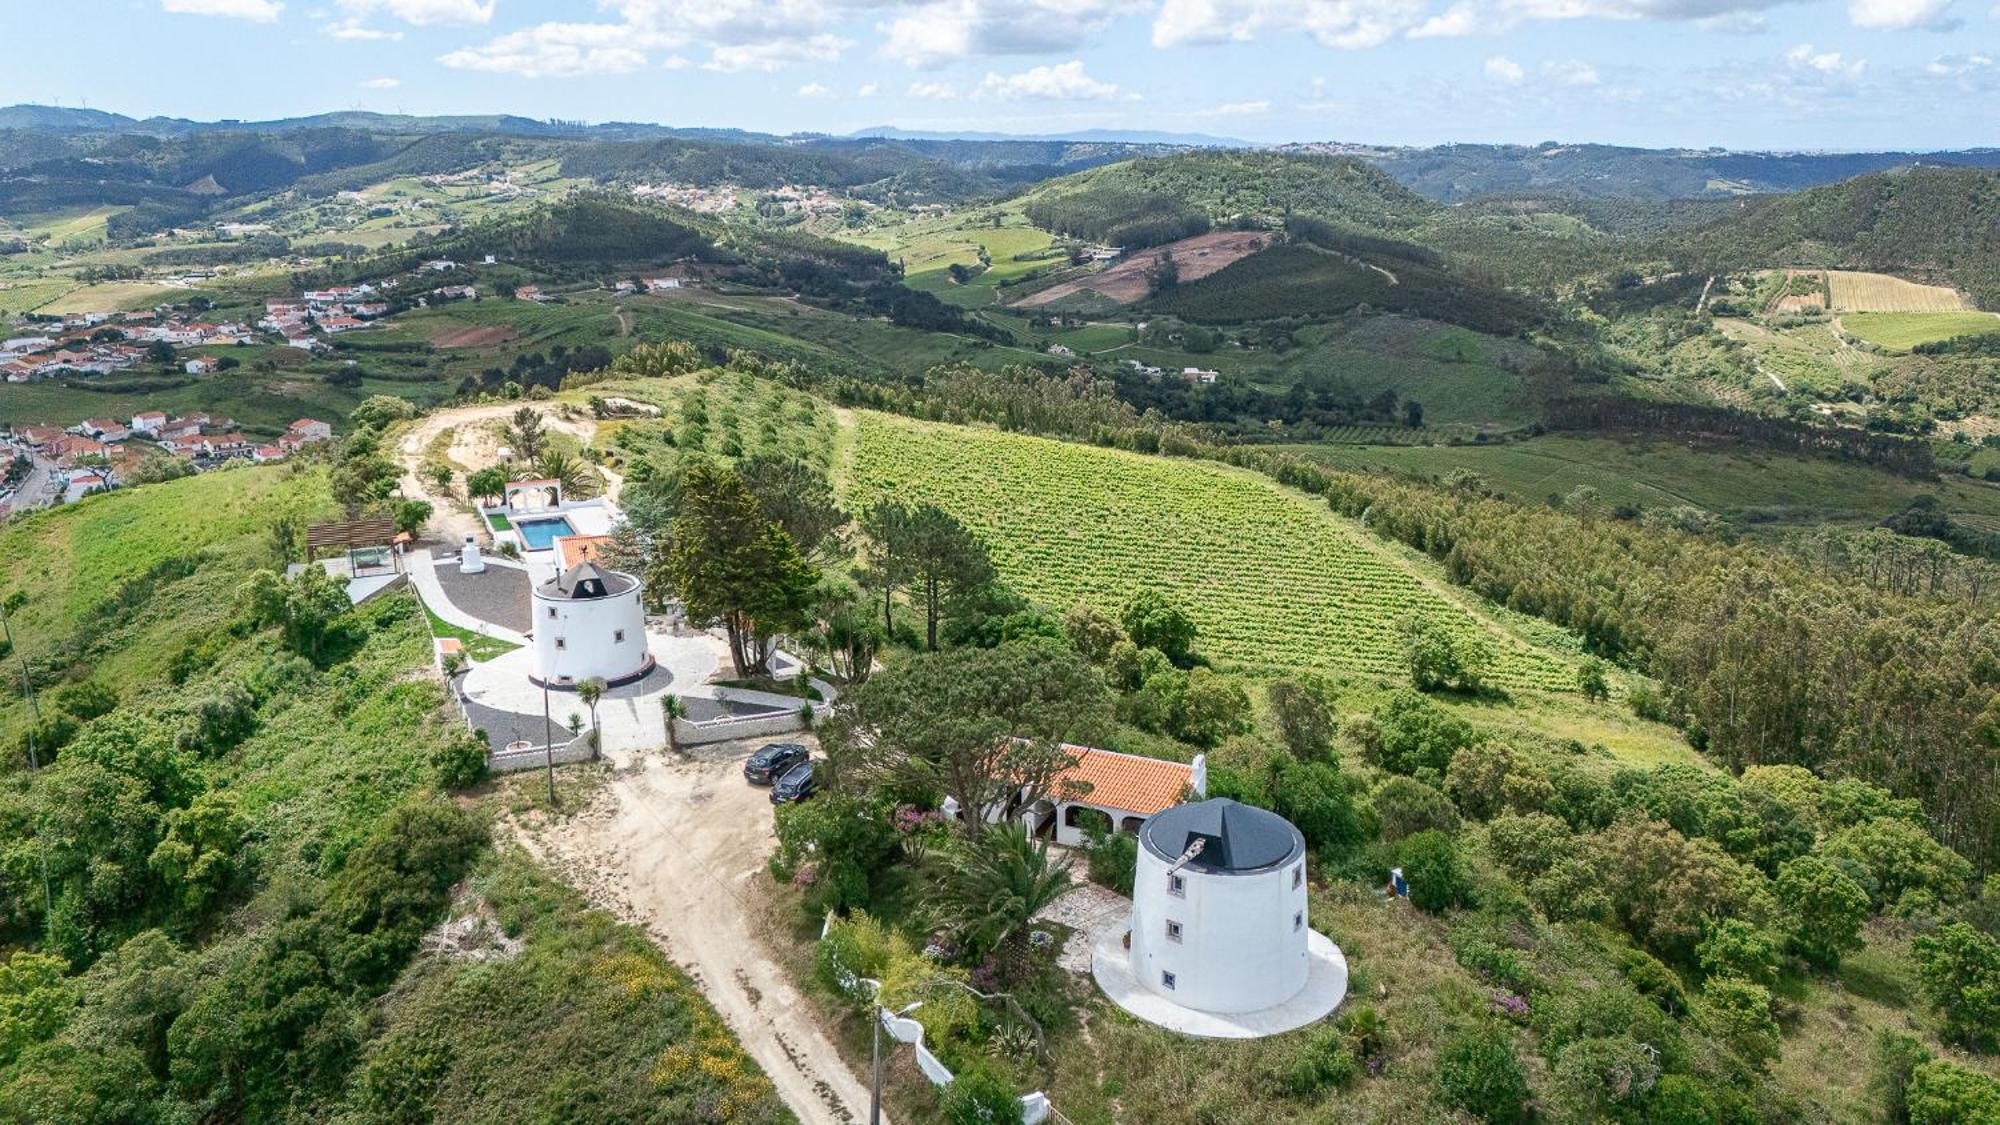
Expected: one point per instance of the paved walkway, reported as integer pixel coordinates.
(630, 715)
(1326, 986)
(423, 575)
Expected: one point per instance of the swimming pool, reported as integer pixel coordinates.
(540, 535)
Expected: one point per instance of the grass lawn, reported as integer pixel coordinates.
(478, 646)
(1905, 330)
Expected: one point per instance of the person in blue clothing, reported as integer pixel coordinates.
(1398, 887)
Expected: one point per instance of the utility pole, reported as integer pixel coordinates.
(549, 744)
(875, 1059)
(34, 755)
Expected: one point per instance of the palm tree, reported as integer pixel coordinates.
(1002, 880)
(590, 691)
(674, 709)
(577, 478)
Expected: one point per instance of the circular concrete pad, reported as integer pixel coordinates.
(1326, 986)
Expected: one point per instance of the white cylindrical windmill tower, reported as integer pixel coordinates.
(1219, 907)
(589, 623)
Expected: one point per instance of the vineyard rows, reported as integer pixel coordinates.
(1271, 583)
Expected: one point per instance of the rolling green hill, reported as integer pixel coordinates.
(1940, 225)
(1262, 188)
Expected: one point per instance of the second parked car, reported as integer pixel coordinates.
(772, 762)
(794, 786)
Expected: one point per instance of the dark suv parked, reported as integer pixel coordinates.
(772, 762)
(794, 786)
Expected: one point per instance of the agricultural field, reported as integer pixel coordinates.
(27, 295)
(1129, 279)
(1901, 331)
(1743, 485)
(1274, 581)
(730, 414)
(112, 296)
(1878, 292)
(1812, 358)
(929, 247)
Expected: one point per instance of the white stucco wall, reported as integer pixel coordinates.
(1240, 950)
(589, 634)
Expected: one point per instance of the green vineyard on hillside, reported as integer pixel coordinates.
(1271, 582)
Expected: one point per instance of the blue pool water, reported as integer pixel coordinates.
(540, 535)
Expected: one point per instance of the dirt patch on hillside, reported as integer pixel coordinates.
(1125, 281)
(482, 337)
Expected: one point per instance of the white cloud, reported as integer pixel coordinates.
(1901, 15)
(1453, 22)
(1831, 63)
(1570, 72)
(937, 31)
(258, 11)
(423, 13)
(1735, 23)
(867, 90)
(555, 50)
(815, 90)
(676, 62)
(1235, 109)
(381, 84)
(775, 54)
(1500, 68)
(1062, 82)
(1346, 24)
(932, 91)
(354, 31)
(1949, 65)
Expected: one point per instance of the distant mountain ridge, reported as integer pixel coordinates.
(1099, 136)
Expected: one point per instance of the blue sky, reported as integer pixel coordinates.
(1807, 74)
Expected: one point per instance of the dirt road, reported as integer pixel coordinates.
(674, 846)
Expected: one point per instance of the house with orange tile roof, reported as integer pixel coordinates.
(1123, 788)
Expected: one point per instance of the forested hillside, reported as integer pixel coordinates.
(1263, 188)
(1454, 173)
(1935, 224)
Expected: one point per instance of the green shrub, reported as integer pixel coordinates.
(1605, 1078)
(460, 762)
(979, 1096)
(1489, 778)
(1325, 1063)
(1405, 806)
(1111, 860)
(1435, 871)
(1416, 734)
(1735, 948)
(1314, 796)
(1654, 980)
(1479, 1073)
(1681, 1099)
(1900, 857)
(1944, 1093)
(1739, 1013)
(1897, 1056)
(1824, 910)
(1960, 971)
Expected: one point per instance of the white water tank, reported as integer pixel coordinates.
(469, 560)
(1224, 930)
(589, 623)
